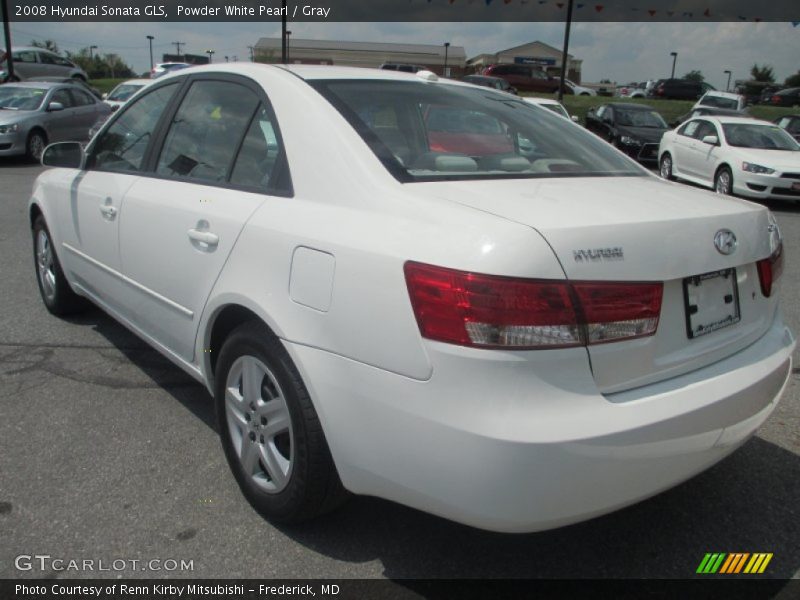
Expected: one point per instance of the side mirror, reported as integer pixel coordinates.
(575, 118)
(105, 96)
(68, 155)
(55, 107)
(711, 140)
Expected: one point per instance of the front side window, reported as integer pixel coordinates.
(704, 129)
(123, 145)
(258, 162)
(206, 132)
(82, 98)
(424, 132)
(689, 129)
(63, 97)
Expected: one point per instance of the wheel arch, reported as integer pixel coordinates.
(34, 212)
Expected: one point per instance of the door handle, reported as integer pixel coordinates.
(204, 237)
(109, 212)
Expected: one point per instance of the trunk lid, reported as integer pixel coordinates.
(641, 229)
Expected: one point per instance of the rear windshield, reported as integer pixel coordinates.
(720, 102)
(762, 137)
(21, 98)
(124, 91)
(640, 118)
(435, 132)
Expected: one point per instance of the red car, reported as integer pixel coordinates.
(526, 78)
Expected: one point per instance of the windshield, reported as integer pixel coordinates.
(433, 132)
(720, 102)
(124, 91)
(21, 98)
(762, 137)
(640, 118)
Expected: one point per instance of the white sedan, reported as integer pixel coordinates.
(418, 289)
(733, 155)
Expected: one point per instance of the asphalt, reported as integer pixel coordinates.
(109, 452)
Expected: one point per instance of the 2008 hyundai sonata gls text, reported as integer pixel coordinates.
(420, 290)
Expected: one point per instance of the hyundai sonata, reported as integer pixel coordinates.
(421, 290)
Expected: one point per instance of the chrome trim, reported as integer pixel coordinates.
(173, 305)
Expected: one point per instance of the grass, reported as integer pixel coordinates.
(669, 109)
(106, 85)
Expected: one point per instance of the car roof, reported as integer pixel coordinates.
(787, 91)
(722, 120)
(630, 106)
(137, 81)
(720, 94)
(38, 85)
(535, 100)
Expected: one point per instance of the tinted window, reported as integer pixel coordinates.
(640, 118)
(122, 146)
(25, 56)
(501, 70)
(81, 98)
(206, 132)
(442, 132)
(63, 97)
(256, 162)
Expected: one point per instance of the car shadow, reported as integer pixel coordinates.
(18, 161)
(746, 503)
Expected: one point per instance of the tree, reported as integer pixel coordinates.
(763, 73)
(695, 76)
(793, 80)
(98, 67)
(47, 45)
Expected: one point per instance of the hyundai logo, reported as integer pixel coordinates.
(725, 241)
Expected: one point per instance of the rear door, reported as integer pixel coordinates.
(26, 64)
(219, 160)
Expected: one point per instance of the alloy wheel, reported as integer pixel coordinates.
(45, 265)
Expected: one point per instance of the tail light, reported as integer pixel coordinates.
(488, 311)
(770, 270)
(776, 99)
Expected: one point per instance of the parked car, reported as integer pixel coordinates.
(124, 91)
(167, 67)
(791, 123)
(525, 78)
(766, 94)
(632, 90)
(553, 105)
(636, 129)
(502, 340)
(404, 68)
(725, 100)
(496, 83)
(787, 97)
(30, 61)
(733, 155)
(32, 114)
(577, 90)
(679, 89)
(72, 80)
(702, 111)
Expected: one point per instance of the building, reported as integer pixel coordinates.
(533, 53)
(363, 54)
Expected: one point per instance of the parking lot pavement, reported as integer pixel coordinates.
(109, 452)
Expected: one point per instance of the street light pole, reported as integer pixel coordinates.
(446, 46)
(565, 53)
(288, 33)
(210, 56)
(150, 39)
(728, 85)
(674, 56)
(284, 58)
(91, 57)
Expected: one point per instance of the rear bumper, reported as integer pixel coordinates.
(524, 441)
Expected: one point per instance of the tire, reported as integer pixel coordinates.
(270, 432)
(665, 167)
(35, 145)
(57, 295)
(723, 181)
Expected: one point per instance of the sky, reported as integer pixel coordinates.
(620, 52)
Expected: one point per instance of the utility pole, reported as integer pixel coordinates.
(150, 39)
(288, 34)
(252, 56)
(284, 58)
(91, 57)
(7, 34)
(446, 46)
(674, 56)
(565, 54)
(178, 46)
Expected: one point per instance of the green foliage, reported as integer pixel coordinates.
(793, 80)
(101, 66)
(763, 73)
(695, 75)
(47, 45)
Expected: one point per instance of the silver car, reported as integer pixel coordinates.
(33, 115)
(30, 61)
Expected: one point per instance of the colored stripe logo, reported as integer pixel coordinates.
(734, 563)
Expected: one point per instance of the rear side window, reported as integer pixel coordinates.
(122, 146)
(207, 130)
(24, 56)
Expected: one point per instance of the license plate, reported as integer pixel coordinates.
(712, 302)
